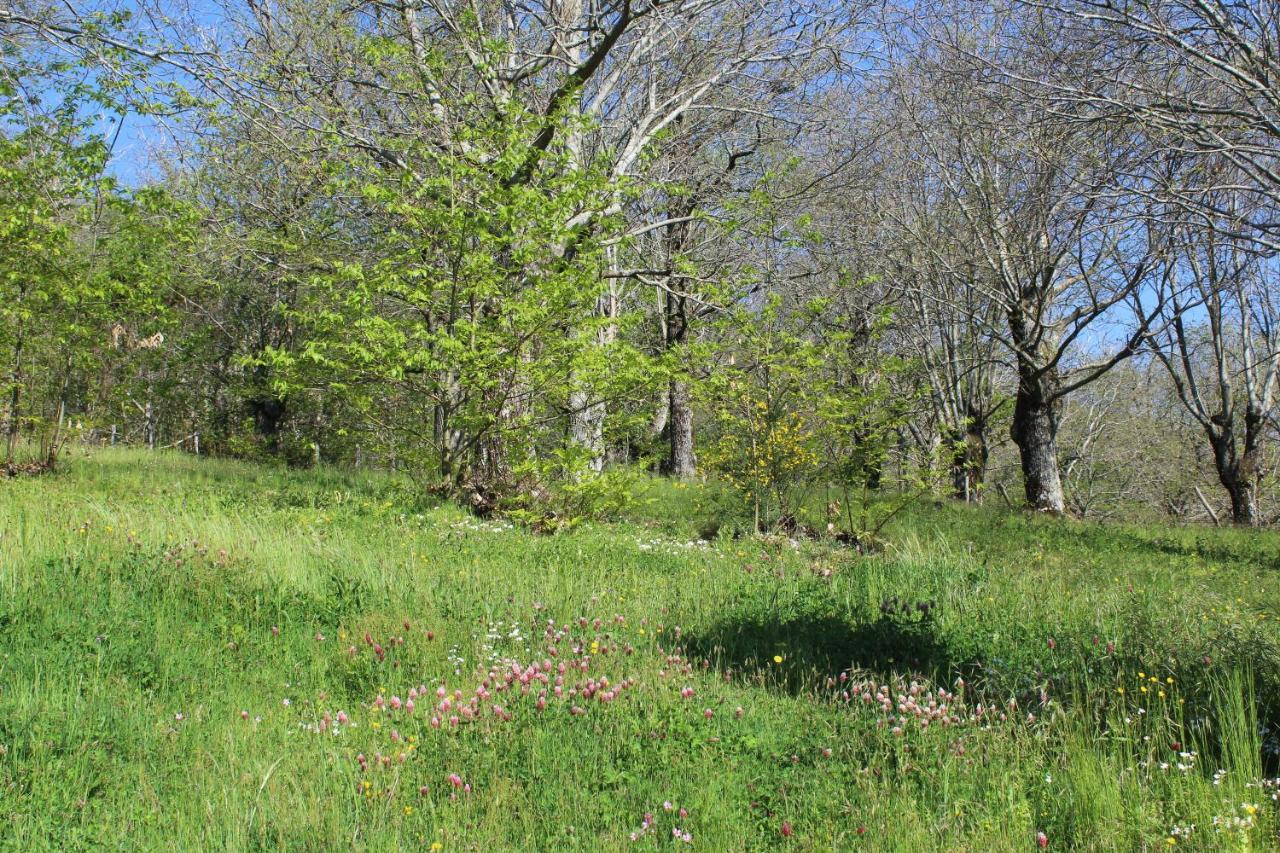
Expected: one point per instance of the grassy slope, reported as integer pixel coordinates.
(120, 613)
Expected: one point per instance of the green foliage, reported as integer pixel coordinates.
(792, 407)
(563, 490)
(83, 264)
(464, 325)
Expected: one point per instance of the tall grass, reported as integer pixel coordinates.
(157, 611)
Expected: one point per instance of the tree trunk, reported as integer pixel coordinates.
(1244, 503)
(149, 425)
(268, 414)
(661, 414)
(1035, 431)
(587, 415)
(1237, 472)
(11, 439)
(586, 426)
(969, 462)
(450, 442)
(682, 464)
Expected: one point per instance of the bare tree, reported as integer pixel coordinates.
(1197, 77)
(1221, 347)
(944, 316)
(1062, 241)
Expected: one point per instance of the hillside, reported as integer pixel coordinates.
(202, 654)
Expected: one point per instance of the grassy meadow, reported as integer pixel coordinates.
(207, 654)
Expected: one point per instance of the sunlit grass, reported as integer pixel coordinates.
(181, 638)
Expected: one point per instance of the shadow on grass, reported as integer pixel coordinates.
(1205, 548)
(813, 649)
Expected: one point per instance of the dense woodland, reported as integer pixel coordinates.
(816, 251)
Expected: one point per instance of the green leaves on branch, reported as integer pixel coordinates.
(795, 407)
(473, 308)
(83, 264)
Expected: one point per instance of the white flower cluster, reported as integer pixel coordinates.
(502, 641)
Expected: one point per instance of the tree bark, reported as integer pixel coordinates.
(969, 463)
(149, 425)
(1238, 472)
(586, 426)
(661, 414)
(681, 462)
(587, 412)
(1035, 431)
(1244, 503)
(683, 465)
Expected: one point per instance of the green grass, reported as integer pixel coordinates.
(135, 588)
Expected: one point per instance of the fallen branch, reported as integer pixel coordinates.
(1217, 522)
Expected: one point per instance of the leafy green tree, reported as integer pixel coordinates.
(83, 264)
(460, 325)
(793, 406)
(50, 182)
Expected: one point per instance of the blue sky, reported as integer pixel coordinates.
(140, 138)
(137, 137)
